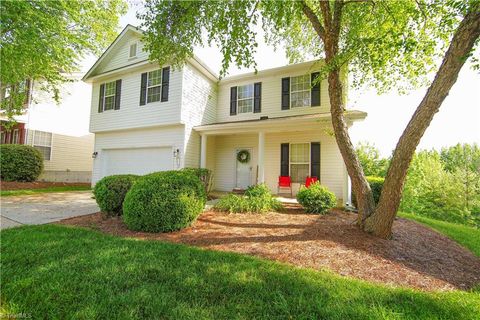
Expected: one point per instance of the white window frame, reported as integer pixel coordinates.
(133, 43)
(105, 96)
(153, 86)
(15, 136)
(309, 90)
(245, 99)
(39, 145)
(290, 163)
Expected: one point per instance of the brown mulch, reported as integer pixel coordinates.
(14, 185)
(416, 257)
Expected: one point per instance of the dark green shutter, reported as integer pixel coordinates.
(101, 97)
(165, 83)
(315, 96)
(257, 100)
(233, 101)
(285, 93)
(284, 159)
(315, 160)
(143, 89)
(118, 93)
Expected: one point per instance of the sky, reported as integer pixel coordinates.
(457, 121)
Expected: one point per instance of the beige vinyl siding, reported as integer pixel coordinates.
(198, 107)
(271, 95)
(169, 136)
(132, 114)
(331, 170)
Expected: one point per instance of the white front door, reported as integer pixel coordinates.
(244, 169)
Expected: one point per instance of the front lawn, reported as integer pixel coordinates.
(21, 192)
(59, 272)
(468, 237)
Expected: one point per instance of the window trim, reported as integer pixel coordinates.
(105, 95)
(243, 99)
(39, 145)
(297, 91)
(309, 159)
(130, 57)
(157, 85)
(15, 136)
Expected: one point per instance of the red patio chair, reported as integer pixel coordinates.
(285, 182)
(310, 180)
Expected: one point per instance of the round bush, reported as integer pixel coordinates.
(20, 162)
(316, 198)
(164, 201)
(110, 192)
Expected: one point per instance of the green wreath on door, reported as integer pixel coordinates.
(243, 156)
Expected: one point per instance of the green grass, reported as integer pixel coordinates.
(57, 272)
(468, 237)
(21, 192)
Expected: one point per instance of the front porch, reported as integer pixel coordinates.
(303, 136)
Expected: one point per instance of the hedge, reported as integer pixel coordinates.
(110, 193)
(376, 184)
(20, 162)
(316, 198)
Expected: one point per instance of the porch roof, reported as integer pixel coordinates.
(287, 123)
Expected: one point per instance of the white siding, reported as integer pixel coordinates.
(171, 136)
(198, 107)
(271, 96)
(331, 171)
(131, 114)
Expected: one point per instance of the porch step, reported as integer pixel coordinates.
(238, 191)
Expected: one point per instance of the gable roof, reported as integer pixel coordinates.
(130, 28)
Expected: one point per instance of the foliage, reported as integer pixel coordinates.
(205, 176)
(59, 272)
(316, 198)
(432, 191)
(372, 163)
(110, 192)
(20, 162)
(468, 237)
(45, 39)
(257, 199)
(21, 192)
(164, 201)
(376, 184)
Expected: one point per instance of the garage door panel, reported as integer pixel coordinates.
(137, 160)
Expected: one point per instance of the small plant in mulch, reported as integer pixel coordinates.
(257, 199)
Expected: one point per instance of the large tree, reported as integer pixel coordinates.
(386, 44)
(44, 40)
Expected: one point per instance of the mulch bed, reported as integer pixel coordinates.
(416, 257)
(13, 185)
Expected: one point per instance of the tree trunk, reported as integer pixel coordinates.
(380, 223)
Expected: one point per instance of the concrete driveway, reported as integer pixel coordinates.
(45, 208)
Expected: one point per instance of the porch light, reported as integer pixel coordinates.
(94, 155)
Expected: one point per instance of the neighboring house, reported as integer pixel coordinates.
(149, 118)
(58, 131)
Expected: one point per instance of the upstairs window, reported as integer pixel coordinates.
(300, 91)
(245, 98)
(42, 141)
(16, 136)
(154, 85)
(133, 50)
(109, 99)
(299, 161)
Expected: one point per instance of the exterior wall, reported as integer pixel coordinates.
(171, 136)
(271, 94)
(131, 114)
(331, 165)
(198, 107)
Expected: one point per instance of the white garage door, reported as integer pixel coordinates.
(137, 160)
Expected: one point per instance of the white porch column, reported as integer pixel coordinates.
(203, 151)
(261, 157)
(347, 187)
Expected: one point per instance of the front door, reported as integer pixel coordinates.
(244, 168)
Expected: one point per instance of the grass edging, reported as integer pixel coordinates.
(21, 192)
(466, 236)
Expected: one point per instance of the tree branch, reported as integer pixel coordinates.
(327, 16)
(337, 18)
(312, 17)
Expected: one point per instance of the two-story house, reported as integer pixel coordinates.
(247, 129)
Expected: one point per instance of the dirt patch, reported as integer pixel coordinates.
(13, 185)
(416, 257)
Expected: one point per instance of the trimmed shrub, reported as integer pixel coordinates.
(376, 184)
(205, 176)
(20, 162)
(257, 199)
(316, 198)
(164, 201)
(110, 193)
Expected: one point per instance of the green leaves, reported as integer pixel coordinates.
(43, 40)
